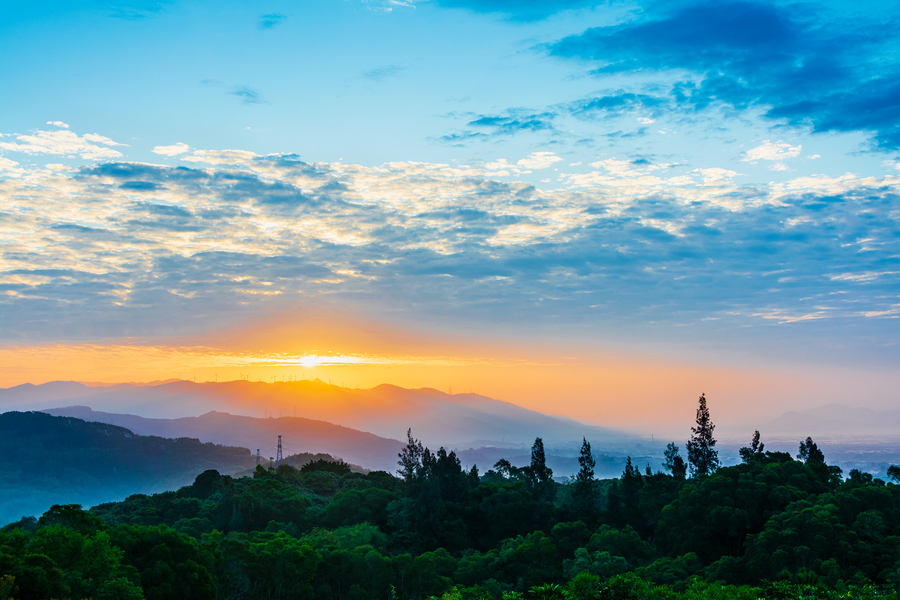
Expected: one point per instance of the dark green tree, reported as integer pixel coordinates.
(702, 456)
(538, 474)
(674, 463)
(584, 483)
(894, 473)
(810, 453)
(754, 449)
(410, 458)
(586, 464)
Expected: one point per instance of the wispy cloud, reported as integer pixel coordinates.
(522, 10)
(64, 143)
(247, 95)
(135, 11)
(385, 72)
(271, 20)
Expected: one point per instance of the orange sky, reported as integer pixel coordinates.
(629, 389)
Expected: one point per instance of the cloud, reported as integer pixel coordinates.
(514, 122)
(779, 151)
(58, 124)
(64, 143)
(7, 165)
(93, 137)
(511, 122)
(131, 248)
(618, 103)
(136, 12)
(221, 157)
(534, 162)
(805, 69)
(518, 10)
(173, 150)
(247, 95)
(385, 72)
(271, 20)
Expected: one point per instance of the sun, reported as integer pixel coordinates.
(309, 361)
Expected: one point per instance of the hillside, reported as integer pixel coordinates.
(47, 459)
(298, 434)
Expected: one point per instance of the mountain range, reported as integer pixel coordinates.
(387, 411)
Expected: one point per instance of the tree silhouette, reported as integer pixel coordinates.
(586, 464)
(538, 474)
(584, 483)
(810, 453)
(674, 463)
(894, 473)
(702, 456)
(755, 449)
(410, 458)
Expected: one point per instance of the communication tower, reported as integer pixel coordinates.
(257, 457)
(278, 455)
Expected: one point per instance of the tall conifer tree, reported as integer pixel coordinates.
(702, 456)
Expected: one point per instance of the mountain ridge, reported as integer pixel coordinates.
(387, 411)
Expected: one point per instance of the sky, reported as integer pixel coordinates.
(599, 210)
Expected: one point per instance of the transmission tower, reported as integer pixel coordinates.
(278, 456)
(257, 457)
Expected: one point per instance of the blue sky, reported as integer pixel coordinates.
(714, 179)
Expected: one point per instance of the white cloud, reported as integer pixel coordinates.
(645, 120)
(538, 160)
(221, 157)
(94, 137)
(778, 167)
(715, 174)
(6, 164)
(814, 157)
(64, 143)
(772, 151)
(533, 162)
(335, 228)
(58, 124)
(173, 150)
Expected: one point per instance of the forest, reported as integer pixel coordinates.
(775, 526)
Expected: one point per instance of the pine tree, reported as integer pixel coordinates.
(674, 463)
(539, 475)
(410, 458)
(586, 464)
(585, 492)
(702, 456)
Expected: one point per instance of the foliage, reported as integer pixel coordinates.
(809, 452)
(674, 464)
(702, 456)
(771, 527)
(755, 449)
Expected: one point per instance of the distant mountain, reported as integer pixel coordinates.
(298, 434)
(836, 421)
(386, 410)
(45, 460)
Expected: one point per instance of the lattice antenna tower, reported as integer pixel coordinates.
(257, 457)
(278, 454)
